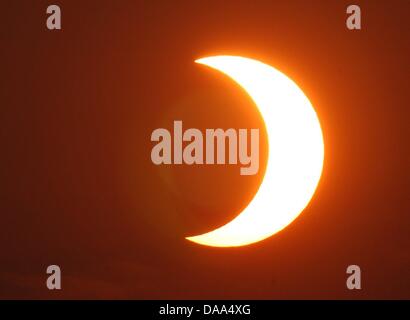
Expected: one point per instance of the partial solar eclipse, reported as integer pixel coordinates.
(295, 159)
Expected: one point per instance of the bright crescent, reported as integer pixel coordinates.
(296, 153)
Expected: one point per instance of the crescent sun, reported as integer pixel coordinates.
(296, 153)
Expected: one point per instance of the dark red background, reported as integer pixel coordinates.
(78, 188)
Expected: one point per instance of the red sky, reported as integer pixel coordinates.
(78, 187)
